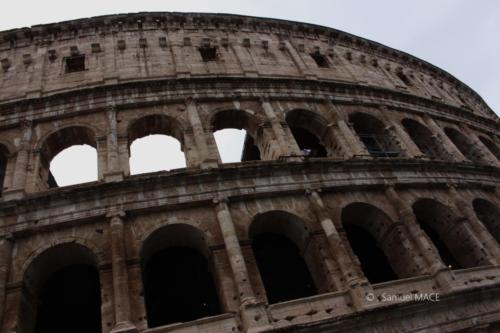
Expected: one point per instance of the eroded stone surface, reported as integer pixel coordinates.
(350, 134)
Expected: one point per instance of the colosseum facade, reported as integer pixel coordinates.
(367, 199)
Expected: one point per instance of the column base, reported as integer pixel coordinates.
(124, 327)
(363, 296)
(13, 194)
(444, 278)
(115, 176)
(255, 319)
(209, 163)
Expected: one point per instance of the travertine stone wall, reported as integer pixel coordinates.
(143, 74)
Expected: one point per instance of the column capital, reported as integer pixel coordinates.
(115, 213)
(8, 237)
(110, 107)
(220, 200)
(190, 101)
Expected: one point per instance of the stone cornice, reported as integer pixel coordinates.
(36, 211)
(170, 21)
(157, 92)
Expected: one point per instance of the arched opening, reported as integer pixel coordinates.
(377, 139)
(492, 147)
(279, 242)
(61, 292)
(155, 144)
(424, 139)
(177, 277)
(62, 166)
(68, 157)
(310, 130)
(489, 214)
(364, 227)
(3, 166)
(235, 133)
(463, 144)
(450, 235)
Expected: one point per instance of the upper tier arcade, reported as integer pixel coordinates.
(365, 173)
(110, 50)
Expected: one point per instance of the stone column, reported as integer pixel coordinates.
(200, 138)
(181, 69)
(6, 245)
(299, 62)
(235, 256)
(443, 275)
(355, 144)
(357, 285)
(124, 154)
(412, 150)
(121, 302)
(245, 59)
(486, 155)
(253, 314)
(285, 139)
(269, 147)
(113, 170)
(477, 227)
(441, 136)
(19, 181)
(102, 158)
(339, 140)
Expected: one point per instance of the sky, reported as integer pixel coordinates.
(459, 36)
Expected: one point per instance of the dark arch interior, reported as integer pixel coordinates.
(492, 147)
(423, 138)
(307, 128)
(489, 214)
(308, 142)
(444, 252)
(433, 219)
(178, 287)
(283, 270)
(70, 301)
(463, 144)
(250, 150)
(374, 136)
(373, 261)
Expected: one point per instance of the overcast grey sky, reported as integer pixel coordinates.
(459, 36)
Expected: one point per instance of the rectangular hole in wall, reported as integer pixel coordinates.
(75, 64)
(320, 59)
(208, 53)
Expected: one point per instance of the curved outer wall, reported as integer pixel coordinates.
(106, 81)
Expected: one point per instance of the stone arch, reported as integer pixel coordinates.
(178, 276)
(464, 145)
(83, 242)
(280, 243)
(492, 147)
(154, 124)
(424, 139)
(489, 214)
(381, 245)
(240, 119)
(449, 232)
(378, 140)
(58, 140)
(311, 132)
(60, 287)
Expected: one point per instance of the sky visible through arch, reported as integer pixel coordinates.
(459, 36)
